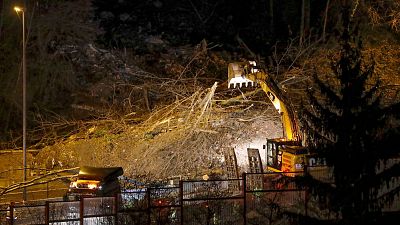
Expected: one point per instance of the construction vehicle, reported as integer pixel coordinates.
(95, 182)
(286, 154)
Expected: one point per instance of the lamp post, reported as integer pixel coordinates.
(19, 9)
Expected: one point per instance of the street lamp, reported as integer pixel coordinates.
(21, 10)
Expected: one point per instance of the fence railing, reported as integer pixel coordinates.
(41, 184)
(256, 198)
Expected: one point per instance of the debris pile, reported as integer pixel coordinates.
(187, 138)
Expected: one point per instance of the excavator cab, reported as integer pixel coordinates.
(285, 156)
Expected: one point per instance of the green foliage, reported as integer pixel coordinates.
(355, 132)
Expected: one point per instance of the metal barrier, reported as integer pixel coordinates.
(268, 195)
(212, 202)
(256, 198)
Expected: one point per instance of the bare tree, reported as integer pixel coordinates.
(271, 16)
(305, 20)
(46, 178)
(325, 20)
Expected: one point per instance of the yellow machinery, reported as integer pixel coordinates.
(284, 154)
(95, 181)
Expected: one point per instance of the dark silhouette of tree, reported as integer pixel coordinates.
(348, 124)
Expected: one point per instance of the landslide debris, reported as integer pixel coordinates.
(187, 138)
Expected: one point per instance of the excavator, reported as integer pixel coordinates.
(285, 154)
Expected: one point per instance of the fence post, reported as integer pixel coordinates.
(148, 206)
(306, 197)
(244, 198)
(46, 213)
(11, 213)
(116, 208)
(181, 198)
(81, 210)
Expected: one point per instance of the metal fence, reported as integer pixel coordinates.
(256, 198)
(269, 196)
(212, 202)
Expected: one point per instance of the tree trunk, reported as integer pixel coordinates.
(325, 21)
(146, 98)
(271, 16)
(305, 20)
(302, 23)
(2, 6)
(307, 10)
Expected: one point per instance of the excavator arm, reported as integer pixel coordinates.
(282, 154)
(247, 74)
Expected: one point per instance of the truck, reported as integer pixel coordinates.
(95, 182)
(287, 153)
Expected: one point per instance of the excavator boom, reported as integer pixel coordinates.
(282, 154)
(247, 74)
